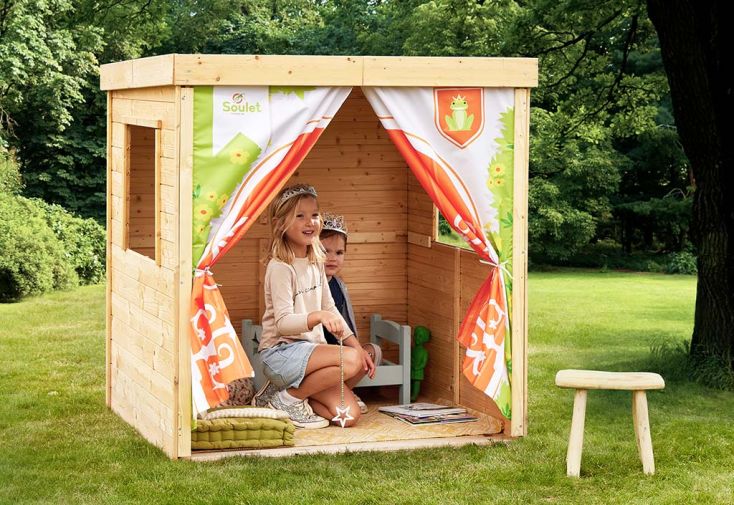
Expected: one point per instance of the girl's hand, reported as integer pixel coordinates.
(332, 323)
(368, 364)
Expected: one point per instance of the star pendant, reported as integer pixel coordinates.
(342, 416)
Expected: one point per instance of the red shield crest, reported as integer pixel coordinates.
(459, 113)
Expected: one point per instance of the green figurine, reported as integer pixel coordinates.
(419, 359)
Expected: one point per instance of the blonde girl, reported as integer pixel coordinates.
(303, 372)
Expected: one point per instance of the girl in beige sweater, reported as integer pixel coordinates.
(304, 374)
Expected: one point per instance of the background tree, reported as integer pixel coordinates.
(693, 39)
(607, 168)
(652, 207)
(607, 172)
(50, 103)
(602, 90)
(43, 65)
(241, 27)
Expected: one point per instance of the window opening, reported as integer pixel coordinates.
(445, 235)
(142, 231)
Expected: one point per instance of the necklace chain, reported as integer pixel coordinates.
(342, 412)
(341, 369)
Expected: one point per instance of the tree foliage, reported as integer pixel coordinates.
(51, 109)
(10, 181)
(44, 247)
(603, 144)
(44, 63)
(601, 85)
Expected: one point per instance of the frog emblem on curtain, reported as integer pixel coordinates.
(459, 114)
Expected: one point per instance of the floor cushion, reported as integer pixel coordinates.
(243, 427)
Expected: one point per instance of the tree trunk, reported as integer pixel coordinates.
(693, 37)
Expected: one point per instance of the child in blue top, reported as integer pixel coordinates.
(334, 241)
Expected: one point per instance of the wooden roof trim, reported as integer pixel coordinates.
(301, 70)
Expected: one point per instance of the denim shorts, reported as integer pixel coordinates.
(285, 364)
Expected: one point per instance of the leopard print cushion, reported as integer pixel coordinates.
(240, 392)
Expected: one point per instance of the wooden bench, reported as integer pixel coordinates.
(387, 374)
(637, 382)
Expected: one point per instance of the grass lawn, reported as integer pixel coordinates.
(60, 444)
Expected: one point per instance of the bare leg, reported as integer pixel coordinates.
(355, 380)
(323, 372)
(322, 356)
(323, 378)
(320, 409)
(325, 403)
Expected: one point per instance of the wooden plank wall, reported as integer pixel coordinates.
(436, 275)
(431, 292)
(358, 173)
(143, 315)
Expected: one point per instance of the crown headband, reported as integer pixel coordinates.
(295, 191)
(334, 222)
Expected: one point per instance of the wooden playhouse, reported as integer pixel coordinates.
(395, 266)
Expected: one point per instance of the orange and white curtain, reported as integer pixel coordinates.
(248, 141)
(459, 144)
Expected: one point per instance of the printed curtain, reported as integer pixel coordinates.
(247, 143)
(459, 144)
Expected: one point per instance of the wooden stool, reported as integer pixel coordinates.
(637, 382)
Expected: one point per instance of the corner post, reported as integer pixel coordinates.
(518, 424)
(108, 264)
(182, 353)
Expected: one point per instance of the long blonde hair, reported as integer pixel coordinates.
(282, 215)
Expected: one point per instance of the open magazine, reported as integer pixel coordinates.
(427, 413)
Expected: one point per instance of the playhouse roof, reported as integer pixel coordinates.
(281, 70)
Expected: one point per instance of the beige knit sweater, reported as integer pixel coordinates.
(292, 292)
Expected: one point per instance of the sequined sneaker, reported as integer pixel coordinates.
(300, 413)
(263, 396)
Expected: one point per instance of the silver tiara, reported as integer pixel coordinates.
(295, 191)
(334, 222)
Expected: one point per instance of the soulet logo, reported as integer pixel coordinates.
(240, 105)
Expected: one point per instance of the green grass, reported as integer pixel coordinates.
(59, 443)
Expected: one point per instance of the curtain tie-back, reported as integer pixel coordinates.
(501, 266)
(199, 272)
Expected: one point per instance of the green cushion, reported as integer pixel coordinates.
(242, 432)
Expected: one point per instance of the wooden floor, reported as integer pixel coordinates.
(398, 445)
(376, 432)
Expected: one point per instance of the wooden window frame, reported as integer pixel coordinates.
(157, 126)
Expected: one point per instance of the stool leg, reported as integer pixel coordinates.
(642, 431)
(576, 440)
